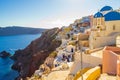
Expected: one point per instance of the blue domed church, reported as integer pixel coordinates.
(105, 28)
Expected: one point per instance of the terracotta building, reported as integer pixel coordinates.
(111, 60)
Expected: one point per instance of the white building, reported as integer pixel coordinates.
(106, 26)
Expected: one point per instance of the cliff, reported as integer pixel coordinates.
(30, 58)
(4, 54)
(17, 30)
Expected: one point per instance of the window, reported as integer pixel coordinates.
(98, 21)
(98, 27)
(113, 27)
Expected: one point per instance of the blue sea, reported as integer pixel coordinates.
(10, 44)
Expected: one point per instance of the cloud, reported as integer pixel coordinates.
(59, 20)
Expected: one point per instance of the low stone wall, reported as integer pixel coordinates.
(103, 41)
(87, 61)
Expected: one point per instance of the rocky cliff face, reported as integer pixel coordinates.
(29, 59)
(4, 54)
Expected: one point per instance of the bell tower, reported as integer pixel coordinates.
(99, 22)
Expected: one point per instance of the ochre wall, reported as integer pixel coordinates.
(109, 26)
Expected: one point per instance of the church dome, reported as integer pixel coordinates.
(98, 14)
(112, 16)
(106, 8)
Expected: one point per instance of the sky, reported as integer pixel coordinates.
(49, 13)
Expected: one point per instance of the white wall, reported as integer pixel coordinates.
(102, 41)
(87, 61)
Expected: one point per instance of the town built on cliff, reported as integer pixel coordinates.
(90, 49)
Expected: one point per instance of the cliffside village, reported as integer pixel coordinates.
(90, 49)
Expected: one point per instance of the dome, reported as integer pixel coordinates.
(112, 16)
(106, 8)
(98, 14)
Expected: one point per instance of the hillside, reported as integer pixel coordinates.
(30, 58)
(17, 30)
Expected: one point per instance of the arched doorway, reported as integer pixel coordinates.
(118, 41)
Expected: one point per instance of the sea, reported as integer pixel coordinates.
(11, 44)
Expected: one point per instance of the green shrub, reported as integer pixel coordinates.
(53, 54)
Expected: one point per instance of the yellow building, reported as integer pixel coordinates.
(105, 28)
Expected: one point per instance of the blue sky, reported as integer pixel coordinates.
(48, 13)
